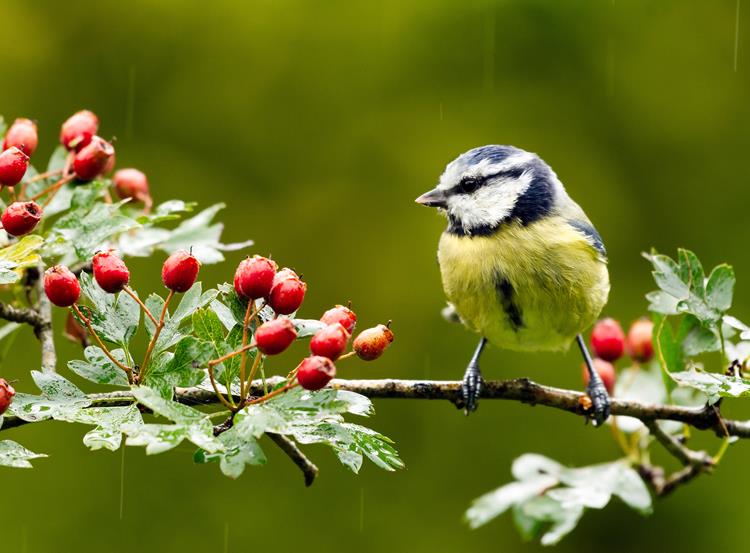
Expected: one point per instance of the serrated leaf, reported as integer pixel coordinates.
(714, 385)
(307, 327)
(239, 451)
(13, 454)
(720, 288)
(696, 338)
(98, 367)
(549, 495)
(114, 317)
(108, 423)
(190, 424)
(166, 211)
(186, 366)
(191, 301)
(60, 399)
(18, 256)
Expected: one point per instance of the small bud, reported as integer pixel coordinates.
(606, 372)
(6, 395)
(21, 218)
(180, 271)
(330, 342)
(340, 314)
(91, 160)
(639, 342)
(23, 135)
(287, 292)
(77, 131)
(13, 165)
(110, 272)
(372, 342)
(608, 339)
(275, 336)
(132, 183)
(253, 278)
(315, 372)
(61, 286)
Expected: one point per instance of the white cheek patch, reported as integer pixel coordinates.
(490, 204)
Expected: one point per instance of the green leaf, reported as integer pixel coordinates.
(191, 424)
(549, 495)
(13, 454)
(307, 327)
(197, 233)
(115, 317)
(714, 385)
(109, 423)
(60, 399)
(720, 288)
(186, 366)
(191, 301)
(18, 256)
(208, 327)
(98, 367)
(238, 452)
(669, 351)
(696, 338)
(166, 211)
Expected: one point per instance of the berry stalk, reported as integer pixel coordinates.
(155, 337)
(129, 291)
(99, 341)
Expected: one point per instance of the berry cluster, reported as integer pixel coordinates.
(610, 343)
(258, 282)
(89, 157)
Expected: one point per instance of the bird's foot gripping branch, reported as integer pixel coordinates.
(65, 241)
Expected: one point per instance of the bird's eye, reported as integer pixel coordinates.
(469, 184)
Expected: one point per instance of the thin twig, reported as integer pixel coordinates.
(309, 470)
(43, 330)
(230, 355)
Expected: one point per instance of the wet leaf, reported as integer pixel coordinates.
(13, 454)
(18, 256)
(98, 367)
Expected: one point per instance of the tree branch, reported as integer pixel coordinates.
(519, 389)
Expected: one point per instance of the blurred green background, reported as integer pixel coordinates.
(319, 123)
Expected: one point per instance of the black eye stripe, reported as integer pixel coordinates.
(471, 184)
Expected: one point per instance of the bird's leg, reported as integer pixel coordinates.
(600, 405)
(472, 383)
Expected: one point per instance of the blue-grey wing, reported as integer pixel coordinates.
(591, 234)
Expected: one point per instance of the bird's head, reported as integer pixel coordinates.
(485, 187)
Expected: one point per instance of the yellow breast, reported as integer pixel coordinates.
(525, 288)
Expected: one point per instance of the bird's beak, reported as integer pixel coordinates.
(433, 198)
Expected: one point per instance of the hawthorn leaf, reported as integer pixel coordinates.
(307, 327)
(98, 368)
(115, 317)
(239, 451)
(60, 399)
(13, 454)
(720, 288)
(108, 423)
(714, 385)
(18, 256)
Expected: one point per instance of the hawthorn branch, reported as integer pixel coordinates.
(519, 389)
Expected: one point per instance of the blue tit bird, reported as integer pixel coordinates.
(520, 262)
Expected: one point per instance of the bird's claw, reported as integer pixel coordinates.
(471, 387)
(600, 404)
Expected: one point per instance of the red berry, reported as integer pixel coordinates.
(254, 277)
(110, 271)
(23, 135)
(131, 183)
(287, 292)
(330, 342)
(78, 130)
(608, 340)
(275, 336)
(61, 286)
(6, 395)
(180, 271)
(340, 314)
(606, 372)
(639, 343)
(372, 342)
(13, 165)
(315, 372)
(21, 218)
(91, 160)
